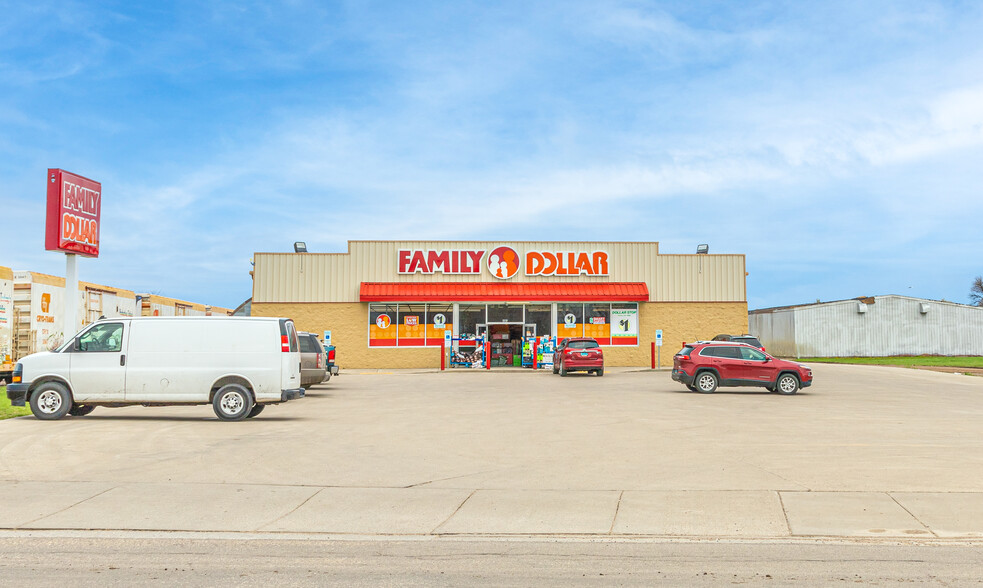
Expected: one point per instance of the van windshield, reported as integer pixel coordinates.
(67, 345)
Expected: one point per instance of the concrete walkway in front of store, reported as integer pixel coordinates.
(429, 511)
(868, 453)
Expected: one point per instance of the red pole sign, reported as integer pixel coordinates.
(74, 212)
(653, 355)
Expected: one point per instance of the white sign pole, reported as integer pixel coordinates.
(71, 295)
(658, 345)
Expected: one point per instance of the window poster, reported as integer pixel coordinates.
(624, 322)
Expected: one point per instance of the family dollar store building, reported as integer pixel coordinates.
(389, 303)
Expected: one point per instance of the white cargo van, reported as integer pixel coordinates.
(236, 364)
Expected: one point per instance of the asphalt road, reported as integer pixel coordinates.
(88, 561)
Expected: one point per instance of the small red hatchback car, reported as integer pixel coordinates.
(578, 354)
(704, 365)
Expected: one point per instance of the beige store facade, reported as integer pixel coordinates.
(388, 304)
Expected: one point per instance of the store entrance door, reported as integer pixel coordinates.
(506, 344)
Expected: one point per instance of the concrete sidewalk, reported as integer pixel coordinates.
(446, 511)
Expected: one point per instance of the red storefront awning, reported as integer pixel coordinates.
(503, 291)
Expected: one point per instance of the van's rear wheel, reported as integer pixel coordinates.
(257, 408)
(81, 409)
(51, 401)
(232, 402)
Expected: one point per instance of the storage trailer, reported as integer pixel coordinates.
(39, 306)
(154, 305)
(6, 319)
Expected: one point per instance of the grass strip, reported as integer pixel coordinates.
(973, 361)
(7, 411)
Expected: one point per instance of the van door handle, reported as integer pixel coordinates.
(122, 360)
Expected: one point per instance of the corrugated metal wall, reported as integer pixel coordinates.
(892, 325)
(775, 330)
(335, 277)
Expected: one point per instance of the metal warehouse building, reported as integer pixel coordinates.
(870, 327)
(388, 304)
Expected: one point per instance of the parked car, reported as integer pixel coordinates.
(312, 360)
(749, 339)
(578, 354)
(705, 365)
(332, 367)
(239, 365)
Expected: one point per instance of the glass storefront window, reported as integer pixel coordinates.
(382, 325)
(470, 316)
(412, 325)
(418, 325)
(541, 316)
(440, 319)
(597, 322)
(624, 323)
(505, 313)
(570, 320)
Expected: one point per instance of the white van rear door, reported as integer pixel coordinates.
(289, 356)
(97, 363)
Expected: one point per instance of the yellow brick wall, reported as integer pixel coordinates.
(348, 323)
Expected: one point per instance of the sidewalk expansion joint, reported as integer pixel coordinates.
(617, 509)
(51, 514)
(292, 511)
(905, 508)
(456, 510)
(781, 502)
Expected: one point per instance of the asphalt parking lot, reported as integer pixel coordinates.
(867, 452)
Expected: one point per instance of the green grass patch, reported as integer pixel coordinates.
(7, 411)
(974, 361)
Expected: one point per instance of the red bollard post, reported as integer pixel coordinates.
(443, 355)
(653, 355)
(487, 355)
(535, 349)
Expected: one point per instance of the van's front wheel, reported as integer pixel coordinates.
(232, 402)
(51, 401)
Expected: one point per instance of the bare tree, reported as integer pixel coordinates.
(976, 291)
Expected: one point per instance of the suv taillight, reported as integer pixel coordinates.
(318, 366)
(284, 344)
(683, 357)
(331, 355)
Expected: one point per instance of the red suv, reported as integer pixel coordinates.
(704, 365)
(580, 354)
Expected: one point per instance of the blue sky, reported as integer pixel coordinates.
(839, 145)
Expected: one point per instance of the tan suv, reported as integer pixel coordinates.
(312, 364)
